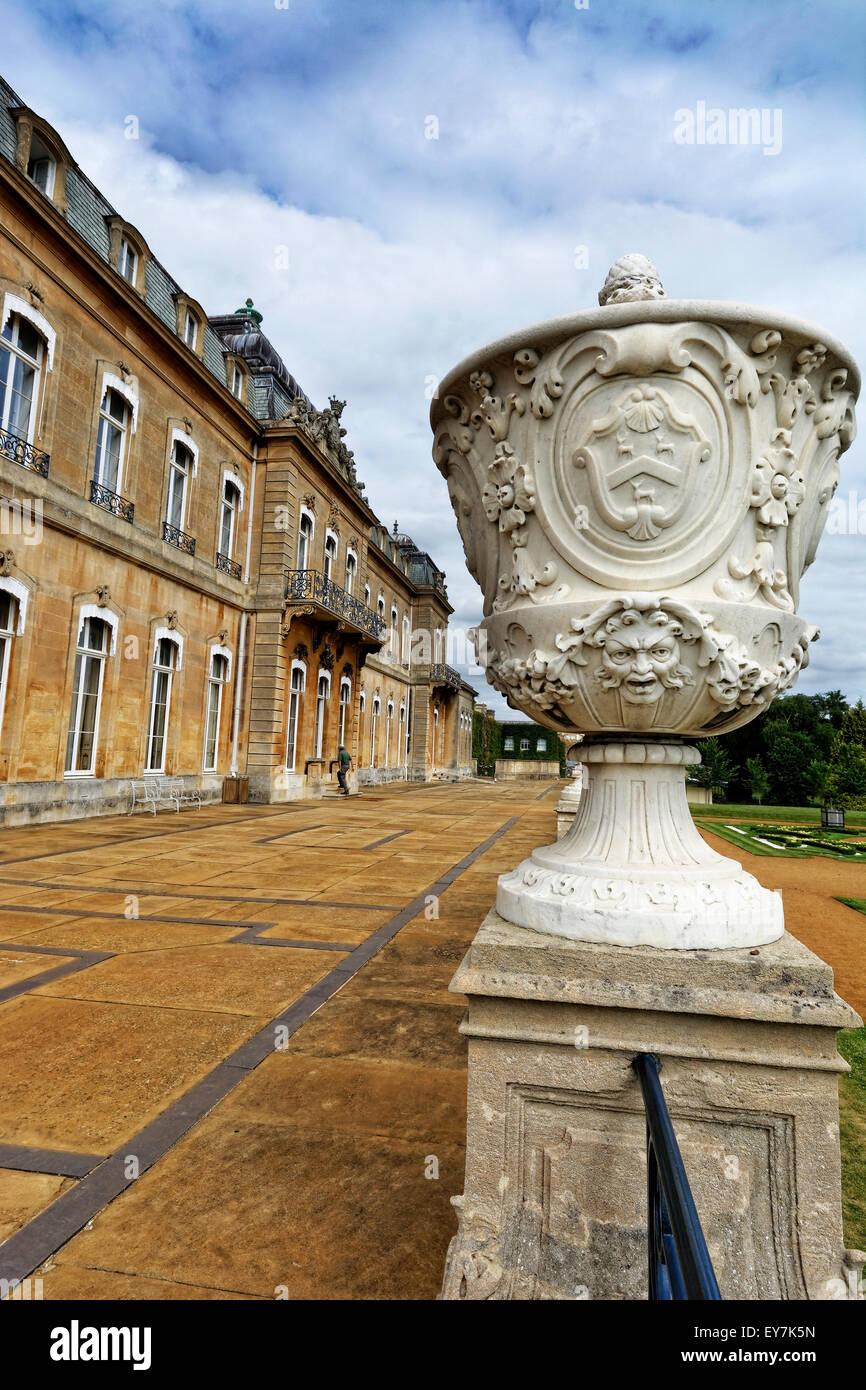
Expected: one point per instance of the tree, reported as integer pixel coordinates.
(759, 779)
(715, 769)
(790, 761)
(846, 779)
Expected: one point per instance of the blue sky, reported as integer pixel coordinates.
(303, 127)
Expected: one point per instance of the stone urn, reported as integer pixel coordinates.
(639, 489)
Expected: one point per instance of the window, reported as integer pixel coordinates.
(541, 745)
(190, 332)
(8, 621)
(508, 745)
(164, 662)
(111, 440)
(437, 646)
(178, 478)
(392, 636)
(305, 537)
(374, 724)
(402, 734)
(388, 722)
(323, 690)
(41, 166)
(296, 690)
(404, 646)
(367, 595)
(351, 571)
(238, 383)
(330, 556)
(21, 350)
(435, 731)
(524, 745)
(228, 515)
(345, 700)
(86, 695)
(380, 607)
(219, 674)
(127, 261)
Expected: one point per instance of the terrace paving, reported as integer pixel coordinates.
(228, 1053)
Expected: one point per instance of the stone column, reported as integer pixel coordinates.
(555, 1195)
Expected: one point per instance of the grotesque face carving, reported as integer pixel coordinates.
(640, 656)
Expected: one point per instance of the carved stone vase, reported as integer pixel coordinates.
(639, 489)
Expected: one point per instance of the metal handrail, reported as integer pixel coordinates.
(12, 446)
(102, 496)
(679, 1262)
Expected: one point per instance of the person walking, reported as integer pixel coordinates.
(344, 759)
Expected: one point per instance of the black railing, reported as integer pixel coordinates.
(179, 538)
(311, 586)
(12, 446)
(102, 496)
(228, 566)
(440, 674)
(679, 1262)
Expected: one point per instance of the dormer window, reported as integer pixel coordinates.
(190, 332)
(41, 166)
(127, 261)
(238, 383)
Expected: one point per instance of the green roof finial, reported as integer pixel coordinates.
(250, 312)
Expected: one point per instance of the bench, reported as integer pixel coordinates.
(162, 791)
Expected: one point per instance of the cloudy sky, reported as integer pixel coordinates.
(428, 169)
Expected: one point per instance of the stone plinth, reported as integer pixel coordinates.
(568, 803)
(555, 1199)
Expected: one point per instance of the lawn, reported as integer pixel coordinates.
(798, 841)
(852, 1130)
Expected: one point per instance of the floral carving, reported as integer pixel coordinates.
(548, 384)
(510, 493)
(778, 487)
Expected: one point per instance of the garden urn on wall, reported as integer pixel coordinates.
(639, 489)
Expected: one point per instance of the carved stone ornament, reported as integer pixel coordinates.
(103, 595)
(326, 660)
(7, 561)
(639, 490)
(170, 617)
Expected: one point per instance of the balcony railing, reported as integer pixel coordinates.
(312, 587)
(102, 496)
(179, 538)
(679, 1263)
(440, 674)
(228, 566)
(12, 446)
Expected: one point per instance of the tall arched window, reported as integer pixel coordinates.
(345, 701)
(21, 353)
(164, 665)
(437, 646)
(389, 711)
(8, 624)
(374, 727)
(402, 734)
(404, 646)
(219, 674)
(297, 686)
(180, 471)
(435, 733)
(305, 537)
(41, 165)
(91, 652)
(323, 690)
(228, 518)
(330, 556)
(111, 441)
(351, 571)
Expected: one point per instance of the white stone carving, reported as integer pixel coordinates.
(639, 490)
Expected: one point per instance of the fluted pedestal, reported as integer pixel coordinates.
(633, 869)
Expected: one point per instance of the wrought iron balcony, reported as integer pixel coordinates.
(309, 586)
(12, 446)
(440, 674)
(228, 566)
(179, 538)
(102, 496)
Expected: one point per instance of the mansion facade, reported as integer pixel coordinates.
(193, 584)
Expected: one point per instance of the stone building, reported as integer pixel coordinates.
(193, 584)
